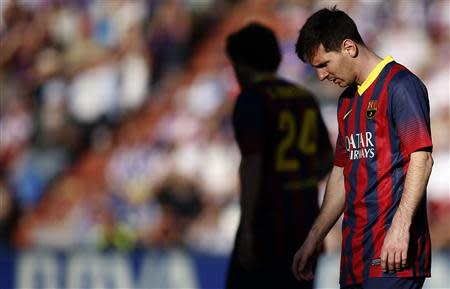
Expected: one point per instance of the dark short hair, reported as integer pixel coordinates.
(328, 27)
(256, 46)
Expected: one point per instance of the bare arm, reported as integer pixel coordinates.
(395, 247)
(332, 208)
(416, 181)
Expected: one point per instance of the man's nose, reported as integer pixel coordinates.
(322, 74)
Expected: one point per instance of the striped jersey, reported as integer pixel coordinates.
(282, 122)
(381, 123)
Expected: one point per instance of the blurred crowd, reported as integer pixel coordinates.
(115, 124)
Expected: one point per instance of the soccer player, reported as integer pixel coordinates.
(382, 164)
(285, 151)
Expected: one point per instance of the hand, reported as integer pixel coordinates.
(304, 259)
(246, 251)
(395, 249)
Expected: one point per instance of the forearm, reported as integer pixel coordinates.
(416, 180)
(332, 206)
(394, 252)
(250, 177)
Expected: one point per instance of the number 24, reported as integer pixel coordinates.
(304, 139)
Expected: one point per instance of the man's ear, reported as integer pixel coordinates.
(350, 47)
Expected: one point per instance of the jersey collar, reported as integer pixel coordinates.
(263, 77)
(374, 74)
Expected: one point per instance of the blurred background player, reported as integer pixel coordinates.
(383, 160)
(285, 153)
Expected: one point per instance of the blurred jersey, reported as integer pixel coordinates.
(282, 123)
(380, 124)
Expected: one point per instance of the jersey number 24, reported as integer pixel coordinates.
(301, 137)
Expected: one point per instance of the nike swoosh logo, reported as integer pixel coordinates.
(348, 112)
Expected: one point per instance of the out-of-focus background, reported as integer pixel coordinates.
(118, 167)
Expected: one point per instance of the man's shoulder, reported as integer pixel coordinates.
(402, 75)
(285, 90)
(249, 94)
(296, 86)
(249, 101)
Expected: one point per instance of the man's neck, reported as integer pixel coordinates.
(367, 63)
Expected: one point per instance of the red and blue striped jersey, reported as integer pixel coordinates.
(282, 123)
(380, 124)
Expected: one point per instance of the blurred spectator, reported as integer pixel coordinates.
(134, 65)
(180, 204)
(167, 36)
(9, 215)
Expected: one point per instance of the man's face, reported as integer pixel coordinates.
(335, 66)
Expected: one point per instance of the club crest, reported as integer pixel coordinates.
(372, 107)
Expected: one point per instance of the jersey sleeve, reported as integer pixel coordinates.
(341, 152)
(410, 111)
(249, 123)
